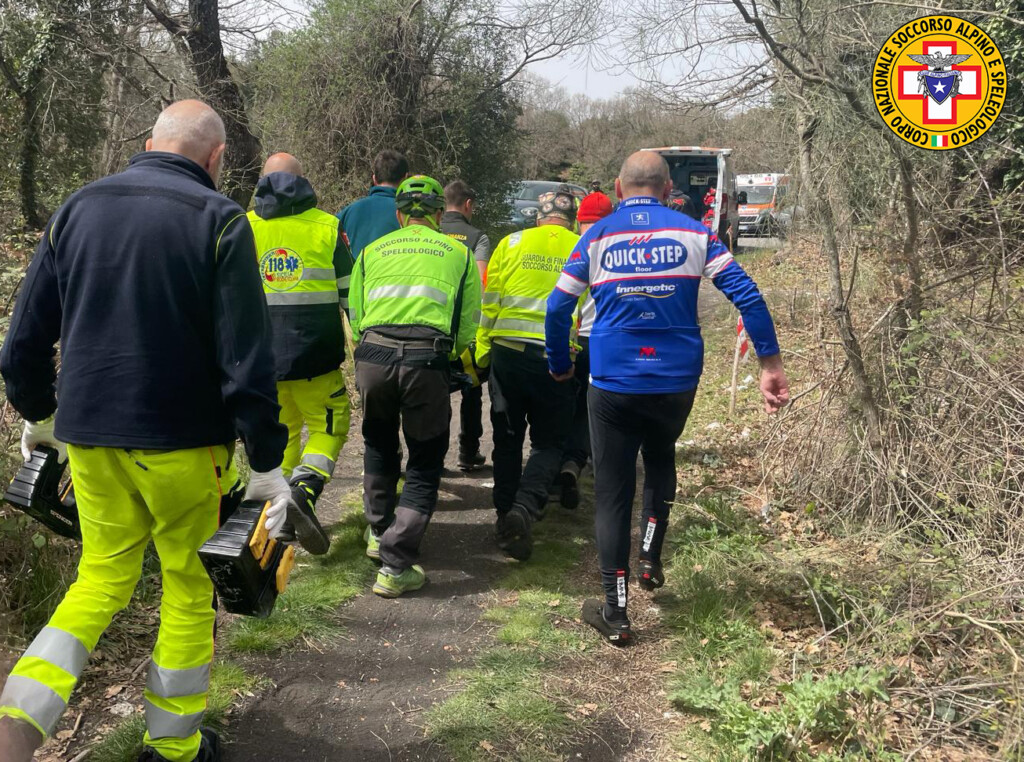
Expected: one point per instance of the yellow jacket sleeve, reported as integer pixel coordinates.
(491, 303)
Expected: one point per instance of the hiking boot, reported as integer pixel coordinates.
(372, 544)
(471, 461)
(390, 585)
(569, 481)
(19, 739)
(209, 749)
(650, 576)
(616, 631)
(302, 523)
(514, 533)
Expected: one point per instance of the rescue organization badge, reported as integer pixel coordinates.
(939, 82)
(281, 269)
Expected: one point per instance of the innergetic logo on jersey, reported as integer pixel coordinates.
(939, 82)
(648, 352)
(640, 218)
(643, 254)
(653, 290)
(281, 269)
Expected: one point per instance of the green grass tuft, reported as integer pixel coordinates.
(319, 586)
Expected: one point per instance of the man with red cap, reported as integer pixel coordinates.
(593, 207)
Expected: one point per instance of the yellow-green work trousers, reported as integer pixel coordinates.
(321, 404)
(125, 498)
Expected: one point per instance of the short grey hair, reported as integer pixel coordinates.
(644, 170)
(191, 125)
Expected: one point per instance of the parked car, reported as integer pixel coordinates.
(763, 208)
(695, 169)
(525, 206)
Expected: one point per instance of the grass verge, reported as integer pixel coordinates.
(507, 705)
(318, 587)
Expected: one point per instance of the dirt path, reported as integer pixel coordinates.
(363, 697)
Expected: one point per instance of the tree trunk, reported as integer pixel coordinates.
(201, 33)
(29, 155)
(821, 207)
(218, 86)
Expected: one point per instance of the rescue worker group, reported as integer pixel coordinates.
(186, 325)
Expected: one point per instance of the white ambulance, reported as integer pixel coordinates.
(695, 169)
(762, 208)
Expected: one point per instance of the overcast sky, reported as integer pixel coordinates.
(580, 75)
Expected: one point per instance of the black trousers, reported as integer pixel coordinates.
(577, 448)
(471, 423)
(523, 393)
(416, 399)
(621, 425)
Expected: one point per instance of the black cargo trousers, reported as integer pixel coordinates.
(523, 392)
(405, 390)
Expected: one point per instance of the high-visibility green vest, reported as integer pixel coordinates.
(416, 276)
(522, 273)
(296, 257)
(305, 274)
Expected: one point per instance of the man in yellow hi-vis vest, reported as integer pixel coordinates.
(305, 265)
(521, 275)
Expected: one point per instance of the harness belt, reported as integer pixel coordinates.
(442, 344)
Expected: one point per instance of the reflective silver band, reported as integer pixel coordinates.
(321, 462)
(174, 683)
(476, 316)
(61, 649)
(525, 303)
(163, 724)
(486, 321)
(404, 292)
(38, 701)
(343, 303)
(302, 297)
(491, 297)
(319, 273)
(524, 326)
(343, 282)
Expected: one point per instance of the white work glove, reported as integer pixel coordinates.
(41, 433)
(272, 486)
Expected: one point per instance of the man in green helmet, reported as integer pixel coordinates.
(414, 305)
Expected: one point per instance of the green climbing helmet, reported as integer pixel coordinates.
(419, 196)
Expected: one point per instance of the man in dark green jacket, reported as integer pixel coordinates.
(375, 215)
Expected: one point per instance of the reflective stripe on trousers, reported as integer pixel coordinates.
(175, 700)
(321, 405)
(125, 499)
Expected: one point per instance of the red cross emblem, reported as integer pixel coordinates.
(937, 114)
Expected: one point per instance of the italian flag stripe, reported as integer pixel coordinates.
(940, 141)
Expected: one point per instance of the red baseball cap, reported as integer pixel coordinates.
(594, 207)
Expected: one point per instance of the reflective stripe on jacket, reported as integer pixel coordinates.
(416, 277)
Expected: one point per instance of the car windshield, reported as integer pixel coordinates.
(531, 190)
(758, 194)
